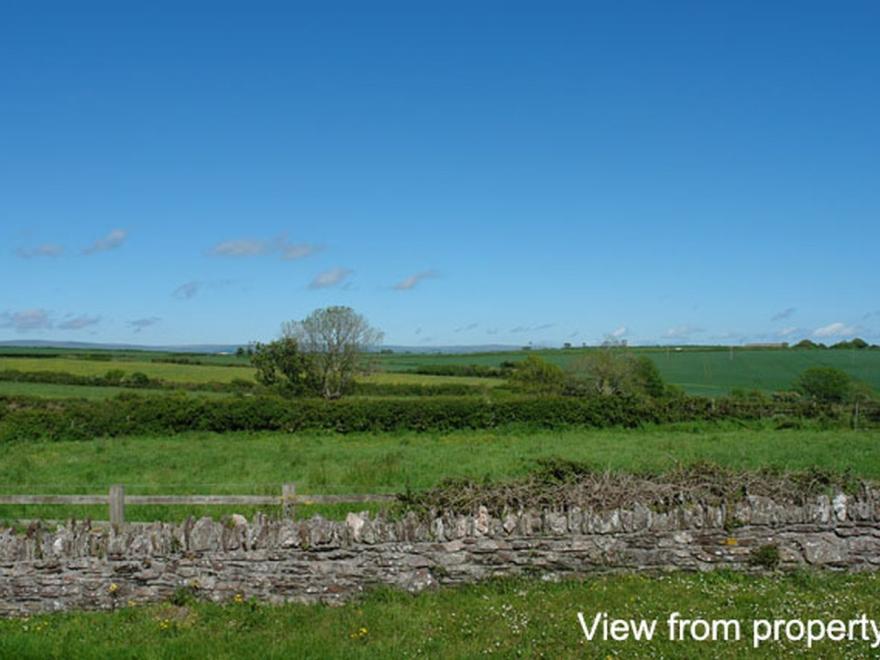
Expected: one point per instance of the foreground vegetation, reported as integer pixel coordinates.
(516, 618)
(324, 462)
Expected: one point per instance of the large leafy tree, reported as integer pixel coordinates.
(335, 341)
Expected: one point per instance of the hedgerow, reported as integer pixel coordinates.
(72, 419)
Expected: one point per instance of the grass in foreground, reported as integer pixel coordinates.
(519, 618)
(322, 462)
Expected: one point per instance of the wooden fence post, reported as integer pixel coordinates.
(116, 500)
(288, 493)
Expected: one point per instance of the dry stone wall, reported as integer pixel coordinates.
(79, 566)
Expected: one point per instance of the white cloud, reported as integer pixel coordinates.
(619, 332)
(330, 278)
(26, 320)
(834, 330)
(110, 242)
(788, 332)
(466, 328)
(44, 250)
(410, 282)
(79, 322)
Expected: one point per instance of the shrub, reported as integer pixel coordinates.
(537, 376)
(282, 364)
(114, 376)
(825, 384)
(137, 379)
(615, 372)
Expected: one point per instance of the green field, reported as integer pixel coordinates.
(702, 371)
(240, 463)
(94, 392)
(196, 373)
(501, 619)
(184, 373)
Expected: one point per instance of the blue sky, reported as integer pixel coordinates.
(459, 172)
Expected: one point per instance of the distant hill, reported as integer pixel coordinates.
(230, 348)
(97, 346)
(482, 348)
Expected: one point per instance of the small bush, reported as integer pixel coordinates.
(825, 384)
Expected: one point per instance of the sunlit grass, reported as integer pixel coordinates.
(510, 618)
(324, 462)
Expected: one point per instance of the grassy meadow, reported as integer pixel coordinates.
(501, 619)
(325, 463)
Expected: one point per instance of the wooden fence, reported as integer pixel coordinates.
(116, 499)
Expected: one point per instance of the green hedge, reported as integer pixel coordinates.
(27, 419)
(418, 389)
(469, 370)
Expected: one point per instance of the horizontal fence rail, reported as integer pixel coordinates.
(116, 500)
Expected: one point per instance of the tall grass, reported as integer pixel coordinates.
(392, 462)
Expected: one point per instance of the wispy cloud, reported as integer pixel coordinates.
(786, 313)
(410, 282)
(294, 251)
(837, 329)
(467, 328)
(788, 332)
(683, 331)
(531, 328)
(44, 250)
(252, 247)
(330, 278)
(111, 241)
(240, 248)
(26, 320)
(187, 290)
(619, 332)
(144, 323)
(79, 322)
